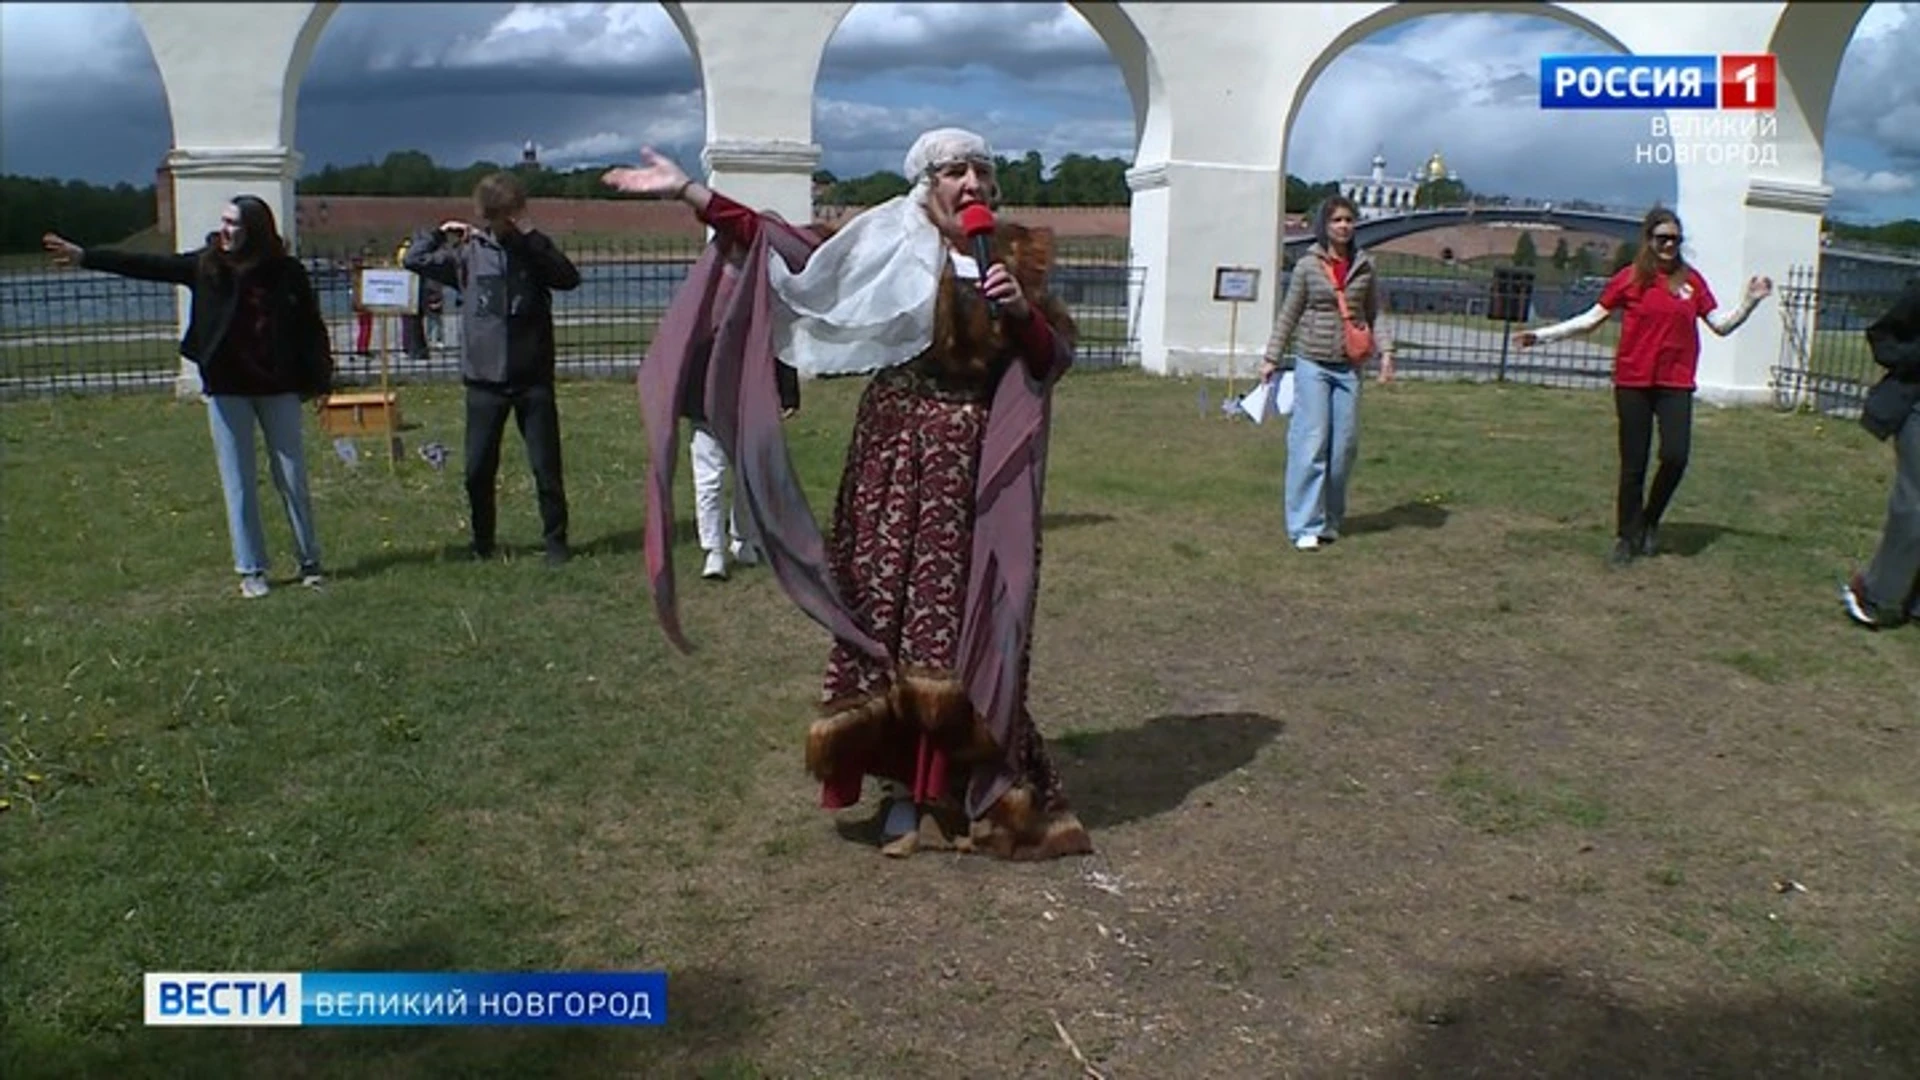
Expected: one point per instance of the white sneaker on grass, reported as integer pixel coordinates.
(747, 554)
(1308, 542)
(716, 568)
(254, 586)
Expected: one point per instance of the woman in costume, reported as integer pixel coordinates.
(928, 583)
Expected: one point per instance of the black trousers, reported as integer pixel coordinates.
(538, 417)
(1639, 409)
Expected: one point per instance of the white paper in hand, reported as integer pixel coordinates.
(1254, 403)
(1283, 395)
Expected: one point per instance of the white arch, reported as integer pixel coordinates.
(1214, 89)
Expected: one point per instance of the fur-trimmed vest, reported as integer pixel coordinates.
(970, 349)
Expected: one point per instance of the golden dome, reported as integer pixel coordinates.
(1436, 167)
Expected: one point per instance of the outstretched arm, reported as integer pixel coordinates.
(1582, 323)
(1725, 324)
(660, 177)
(176, 269)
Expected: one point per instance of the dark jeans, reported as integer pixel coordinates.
(413, 336)
(538, 417)
(1639, 408)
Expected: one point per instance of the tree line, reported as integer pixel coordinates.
(82, 212)
(93, 214)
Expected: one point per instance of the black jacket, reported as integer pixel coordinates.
(300, 352)
(693, 396)
(1895, 341)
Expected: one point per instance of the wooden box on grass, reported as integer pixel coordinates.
(360, 414)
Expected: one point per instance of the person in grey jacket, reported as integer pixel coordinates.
(505, 273)
(1323, 436)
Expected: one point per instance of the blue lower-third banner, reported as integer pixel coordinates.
(363, 998)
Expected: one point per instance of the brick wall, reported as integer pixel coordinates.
(1496, 239)
(394, 217)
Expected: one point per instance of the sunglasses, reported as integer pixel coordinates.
(1666, 238)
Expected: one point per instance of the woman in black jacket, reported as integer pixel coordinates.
(257, 335)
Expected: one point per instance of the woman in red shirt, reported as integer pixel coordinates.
(1663, 300)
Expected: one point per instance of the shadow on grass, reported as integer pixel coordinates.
(1114, 777)
(1687, 539)
(1408, 515)
(712, 1017)
(1069, 521)
(375, 565)
(1544, 1022)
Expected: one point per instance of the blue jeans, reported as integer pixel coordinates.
(1323, 437)
(231, 418)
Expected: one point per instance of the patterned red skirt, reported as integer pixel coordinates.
(901, 539)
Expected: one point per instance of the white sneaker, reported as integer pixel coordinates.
(747, 554)
(254, 586)
(716, 568)
(1307, 543)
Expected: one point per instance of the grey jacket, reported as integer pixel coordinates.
(506, 318)
(1309, 315)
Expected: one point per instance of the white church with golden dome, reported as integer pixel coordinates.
(1380, 195)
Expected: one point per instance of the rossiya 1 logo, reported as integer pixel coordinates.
(1726, 81)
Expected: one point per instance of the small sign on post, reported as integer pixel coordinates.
(1236, 285)
(1511, 301)
(384, 292)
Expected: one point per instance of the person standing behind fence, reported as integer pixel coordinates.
(362, 320)
(505, 273)
(1664, 300)
(413, 325)
(1335, 286)
(256, 333)
(1888, 591)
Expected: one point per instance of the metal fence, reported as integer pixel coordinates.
(69, 331)
(1825, 363)
(75, 331)
(1457, 321)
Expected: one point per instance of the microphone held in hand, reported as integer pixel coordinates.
(977, 222)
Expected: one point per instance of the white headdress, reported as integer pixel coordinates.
(865, 299)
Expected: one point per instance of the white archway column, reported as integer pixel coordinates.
(228, 70)
(758, 66)
(768, 174)
(1180, 235)
(1780, 229)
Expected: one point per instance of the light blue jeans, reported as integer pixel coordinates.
(231, 418)
(1323, 438)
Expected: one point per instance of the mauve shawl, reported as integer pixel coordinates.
(729, 319)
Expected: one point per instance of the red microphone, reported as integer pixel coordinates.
(977, 222)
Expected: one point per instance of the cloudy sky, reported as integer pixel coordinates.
(589, 82)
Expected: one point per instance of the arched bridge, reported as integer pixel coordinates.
(1381, 229)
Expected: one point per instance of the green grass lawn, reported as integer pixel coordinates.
(617, 335)
(436, 764)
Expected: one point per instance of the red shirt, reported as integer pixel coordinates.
(1659, 335)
